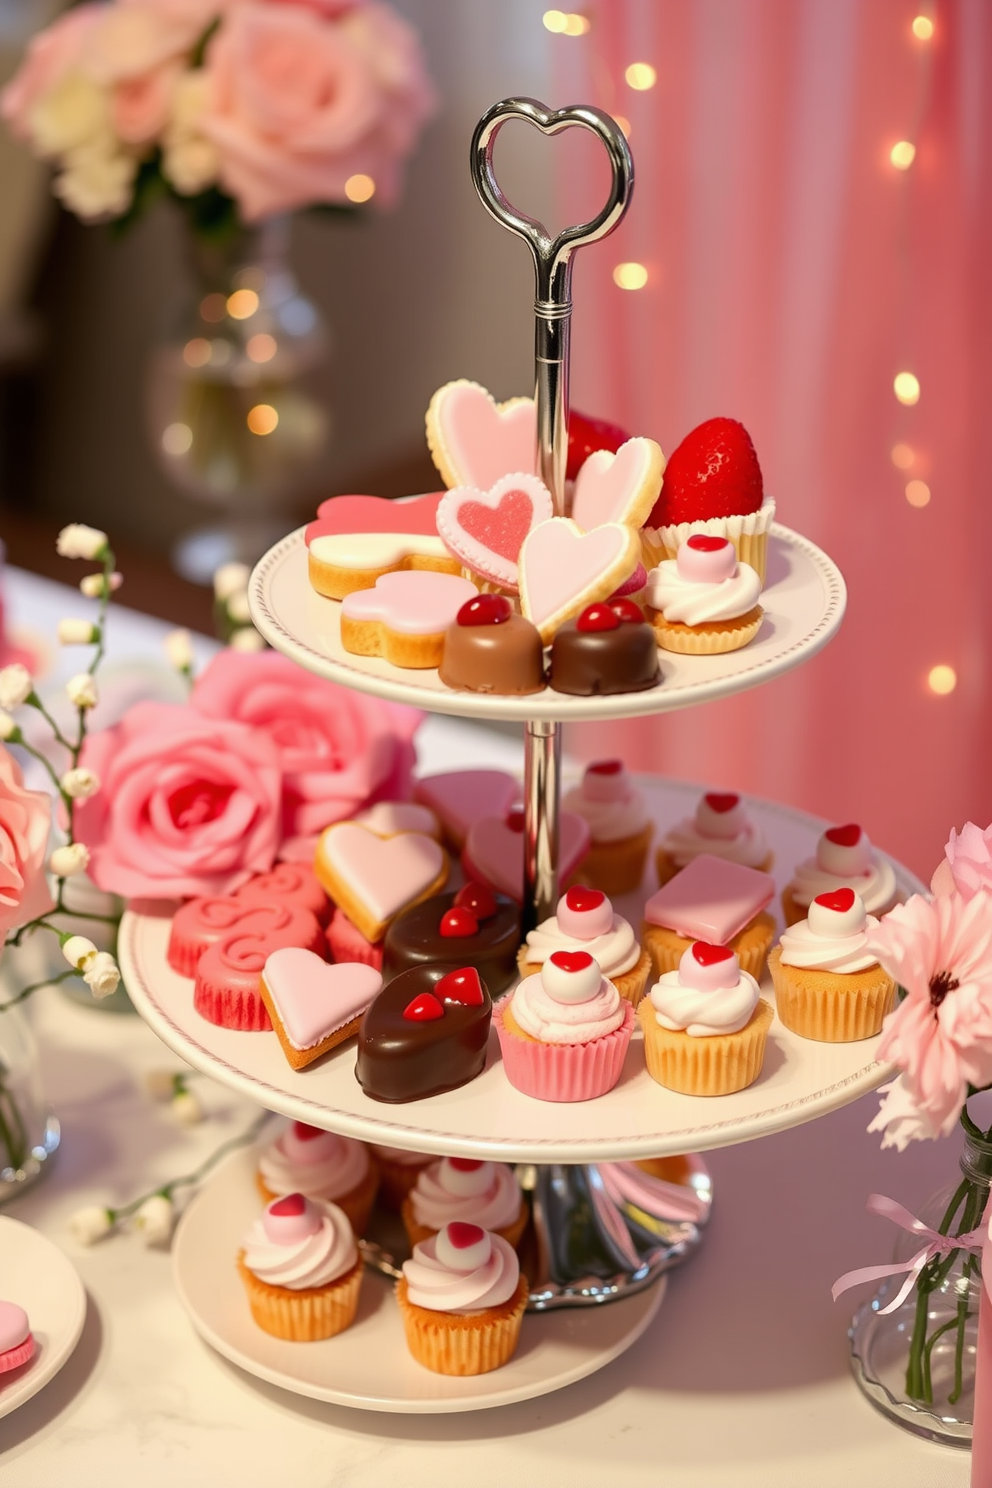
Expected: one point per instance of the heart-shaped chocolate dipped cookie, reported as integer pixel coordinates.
(407, 1049)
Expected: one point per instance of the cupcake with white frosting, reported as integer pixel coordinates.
(721, 826)
(704, 602)
(462, 1300)
(705, 1024)
(585, 920)
(320, 1165)
(465, 1189)
(844, 859)
(828, 984)
(301, 1269)
(620, 827)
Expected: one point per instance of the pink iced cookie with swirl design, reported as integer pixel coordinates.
(313, 1006)
(16, 1339)
(494, 850)
(563, 569)
(288, 883)
(373, 879)
(404, 618)
(486, 529)
(227, 988)
(201, 923)
(621, 487)
(474, 440)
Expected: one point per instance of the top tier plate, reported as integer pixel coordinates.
(804, 601)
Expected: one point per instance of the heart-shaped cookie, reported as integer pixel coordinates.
(486, 529)
(314, 1006)
(563, 569)
(618, 488)
(355, 539)
(373, 878)
(475, 441)
(460, 797)
(494, 850)
(427, 1031)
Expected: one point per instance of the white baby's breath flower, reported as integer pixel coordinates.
(229, 579)
(94, 586)
(70, 859)
(9, 727)
(186, 1108)
(97, 180)
(79, 541)
(160, 1084)
(102, 975)
(73, 114)
(154, 1219)
(81, 690)
(237, 607)
(190, 161)
(79, 951)
(79, 784)
(179, 650)
(246, 639)
(77, 632)
(16, 685)
(91, 1224)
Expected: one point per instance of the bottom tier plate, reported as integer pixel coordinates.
(368, 1367)
(36, 1275)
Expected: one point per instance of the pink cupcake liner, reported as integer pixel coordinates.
(240, 1008)
(13, 1358)
(347, 943)
(563, 1072)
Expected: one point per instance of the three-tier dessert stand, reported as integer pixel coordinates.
(595, 1244)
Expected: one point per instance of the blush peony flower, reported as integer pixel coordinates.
(25, 819)
(967, 863)
(188, 804)
(338, 750)
(940, 1036)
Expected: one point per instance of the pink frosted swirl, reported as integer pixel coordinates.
(554, 1022)
(486, 1195)
(325, 1166)
(617, 951)
(436, 1281)
(308, 1260)
(610, 804)
(703, 1014)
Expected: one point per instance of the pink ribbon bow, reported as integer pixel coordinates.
(935, 1245)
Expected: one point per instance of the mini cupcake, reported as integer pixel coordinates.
(721, 826)
(16, 1339)
(320, 1165)
(704, 602)
(705, 1025)
(714, 900)
(564, 1034)
(620, 828)
(462, 1188)
(301, 1269)
(398, 1172)
(462, 1300)
(845, 859)
(828, 985)
(585, 921)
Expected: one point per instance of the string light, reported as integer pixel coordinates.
(922, 27)
(903, 456)
(942, 679)
(262, 419)
(641, 76)
(359, 188)
(177, 439)
(630, 276)
(917, 493)
(902, 154)
(242, 304)
(906, 388)
(624, 124)
(196, 353)
(213, 307)
(261, 347)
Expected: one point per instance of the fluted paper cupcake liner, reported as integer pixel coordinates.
(561, 1072)
(749, 535)
(616, 867)
(347, 943)
(705, 640)
(827, 1006)
(396, 1179)
(750, 944)
(307, 1315)
(716, 1065)
(231, 1008)
(450, 1344)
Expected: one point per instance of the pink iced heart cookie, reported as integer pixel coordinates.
(404, 617)
(355, 539)
(314, 1006)
(460, 797)
(486, 529)
(618, 488)
(563, 569)
(494, 850)
(474, 440)
(373, 878)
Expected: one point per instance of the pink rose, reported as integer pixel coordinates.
(967, 864)
(141, 105)
(25, 819)
(133, 39)
(51, 54)
(338, 750)
(187, 804)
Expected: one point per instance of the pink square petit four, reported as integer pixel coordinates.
(711, 899)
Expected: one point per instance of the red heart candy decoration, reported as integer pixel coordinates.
(463, 1236)
(458, 924)
(840, 900)
(571, 960)
(721, 801)
(289, 1206)
(848, 836)
(708, 955)
(626, 611)
(503, 529)
(304, 1133)
(424, 1008)
(465, 1164)
(703, 543)
(463, 986)
(479, 899)
(580, 899)
(485, 609)
(605, 767)
(515, 819)
(598, 617)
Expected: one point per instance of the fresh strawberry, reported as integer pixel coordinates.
(713, 473)
(588, 434)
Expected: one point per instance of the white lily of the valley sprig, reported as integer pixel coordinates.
(91, 1224)
(178, 648)
(79, 784)
(77, 632)
(79, 541)
(9, 727)
(246, 639)
(95, 586)
(67, 861)
(154, 1219)
(16, 685)
(81, 690)
(98, 969)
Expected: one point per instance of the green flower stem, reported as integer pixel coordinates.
(190, 1180)
(34, 701)
(27, 992)
(13, 1137)
(917, 1368)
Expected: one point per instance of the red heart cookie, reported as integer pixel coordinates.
(486, 529)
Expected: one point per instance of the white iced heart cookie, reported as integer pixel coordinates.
(475, 441)
(621, 487)
(562, 569)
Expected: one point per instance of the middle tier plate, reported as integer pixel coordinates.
(488, 1118)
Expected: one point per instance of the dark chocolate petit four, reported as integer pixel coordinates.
(426, 1032)
(474, 926)
(490, 648)
(610, 647)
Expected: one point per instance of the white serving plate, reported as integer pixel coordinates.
(803, 600)
(369, 1367)
(488, 1118)
(38, 1277)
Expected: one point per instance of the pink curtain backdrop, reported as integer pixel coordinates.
(793, 272)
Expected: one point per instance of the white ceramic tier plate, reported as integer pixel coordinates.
(369, 1367)
(35, 1274)
(803, 602)
(488, 1118)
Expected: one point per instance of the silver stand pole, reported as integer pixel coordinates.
(542, 795)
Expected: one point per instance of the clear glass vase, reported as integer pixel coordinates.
(238, 418)
(29, 1133)
(917, 1364)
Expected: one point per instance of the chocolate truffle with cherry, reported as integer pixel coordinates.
(425, 1033)
(609, 648)
(490, 648)
(475, 926)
